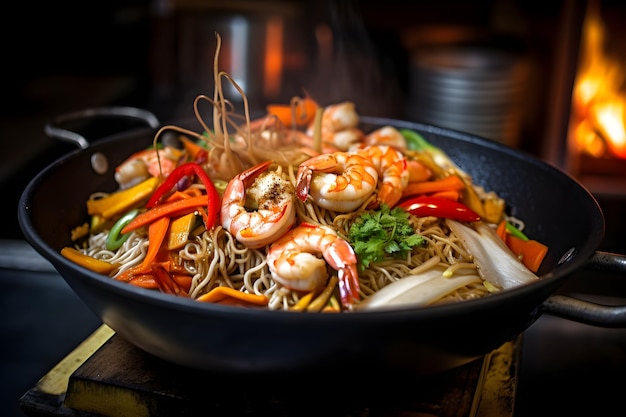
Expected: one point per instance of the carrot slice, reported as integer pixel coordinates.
(156, 235)
(193, 149)
(448, 194)
(174, 208)
(302, 114)
(449, 183)
(531, 252)
(501, 230)
(226, 295)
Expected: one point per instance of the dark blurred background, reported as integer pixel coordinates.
(502, 69)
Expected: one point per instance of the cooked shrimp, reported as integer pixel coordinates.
(339, 125)
(339, 181)
(274, 212)
(149, 162)
(295, 261)
(386, 135)
(393, 171)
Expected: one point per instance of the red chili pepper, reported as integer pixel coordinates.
(184, 170)
(439, 207)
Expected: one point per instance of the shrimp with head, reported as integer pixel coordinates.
(393, 171)
(299, 259)
(340, 181)
(258, 206)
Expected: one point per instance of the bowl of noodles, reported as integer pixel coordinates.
(312, 238)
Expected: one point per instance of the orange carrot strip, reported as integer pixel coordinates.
(451, 182)
(156, 235)
(304, 112)
(220, 294)
(192, 148)
(530, 251)
(448, 194)
(501, 230)
(180, 195)
(174, 208)
(184, 281)
(418, 171)
(144, 281)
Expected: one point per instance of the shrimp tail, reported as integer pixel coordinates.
(342, 258)
(249, 175)
(303, 182)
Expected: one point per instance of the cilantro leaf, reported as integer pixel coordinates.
(383, 233)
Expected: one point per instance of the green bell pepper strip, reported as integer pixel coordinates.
(515, 231)
(114, 240)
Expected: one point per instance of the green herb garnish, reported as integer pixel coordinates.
(376, 235)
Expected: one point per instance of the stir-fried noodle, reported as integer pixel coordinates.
(215, 258)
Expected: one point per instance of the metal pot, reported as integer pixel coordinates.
(557, 210)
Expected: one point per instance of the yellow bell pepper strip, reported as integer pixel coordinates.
(180, 228)
(121, 201)
(186, 170)
(165, 210)
(79, 232)
(115, 239)
(304, 301)
(86, 261)
(321, 300)
(226, 295)
(423, 206)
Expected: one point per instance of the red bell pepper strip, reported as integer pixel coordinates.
(185, 170)
(439, 207)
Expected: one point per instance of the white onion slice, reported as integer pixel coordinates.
(497, 264)
(417, 290)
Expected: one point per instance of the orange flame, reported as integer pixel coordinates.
(599, 106)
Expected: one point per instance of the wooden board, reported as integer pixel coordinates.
(112, 377)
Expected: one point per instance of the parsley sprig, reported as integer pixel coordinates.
(377, 235)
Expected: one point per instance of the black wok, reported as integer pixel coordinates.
(557, 210)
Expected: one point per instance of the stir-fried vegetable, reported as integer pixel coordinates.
(115, 239)
(497, 264)
(377, 234)
(439, 207)
(120, 202)
(448, 183)
(491, 209)
(418, 290)
(86, 261)
(186, 170)
(529, 251)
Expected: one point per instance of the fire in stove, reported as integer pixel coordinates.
(597, 134)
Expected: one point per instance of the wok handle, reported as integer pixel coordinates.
(52, 130)
(586, 311)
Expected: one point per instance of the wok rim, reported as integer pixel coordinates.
(547, 281)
